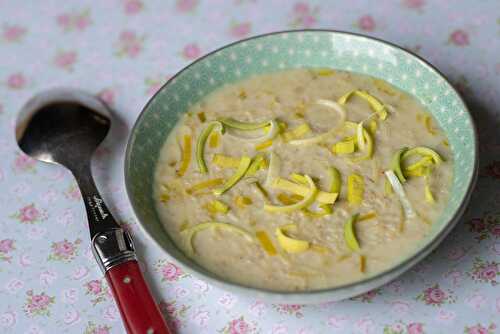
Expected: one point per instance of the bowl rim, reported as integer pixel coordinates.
(396, 270)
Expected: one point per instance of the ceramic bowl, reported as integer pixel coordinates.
(287, 50)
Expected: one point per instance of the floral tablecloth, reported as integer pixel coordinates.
(123, 50)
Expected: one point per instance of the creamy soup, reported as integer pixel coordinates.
(302, 179)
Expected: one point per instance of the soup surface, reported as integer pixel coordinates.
(320, 178)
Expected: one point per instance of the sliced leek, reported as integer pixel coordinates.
(200, 145)
(217, 207)
(367, 140)
(266, 243)
(367, 216)
(273, 170)
(204, 184)
(240, 172)
(264, 145)
(350, 235)
(192, 231)
(289, 244)
(375, 104)
(231, 124)
(186, 156)
(396, 164)
(299, 189)
(355, 189)
(305, 202)
(297, 133)
(242, 201)
(257, 163)
(398, 189)
(319, 138)
(344, 147)
(423, 151)
(335, 180)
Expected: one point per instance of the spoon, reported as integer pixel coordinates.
(64, 126)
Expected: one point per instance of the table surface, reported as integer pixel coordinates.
(123, 51)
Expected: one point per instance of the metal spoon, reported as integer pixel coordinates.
(64, 127)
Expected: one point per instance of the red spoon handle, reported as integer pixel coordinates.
(137, 307)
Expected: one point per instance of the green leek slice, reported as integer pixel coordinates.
(305, 202)
(240, 172)
(355, 189)
(296, 133)
(271, 132)
(192, 231)
(204, 184)
(217, 207)
(398, 189)
(273, 170)
(245, 126)
(299, 189)
(213, 140)
(368, 140)
(200, 145)
(264, 145)
(266, 243)
(375, 104)
(257, 163)
(290, 245)
(423, 151)
(396, 164)
(335, 179)
(344, 147)
(319, 138)
(428, 124)
(324, 210)
(423, 162)
(186, 156)
(350, 235)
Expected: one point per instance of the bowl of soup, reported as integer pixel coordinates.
(302, 166)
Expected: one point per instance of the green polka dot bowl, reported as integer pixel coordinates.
(288, 50)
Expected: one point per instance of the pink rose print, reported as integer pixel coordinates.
(47, 277)
(6, 246)
(337, 322)
(476, 301)
(107, 95)
(74, 21)
(415, 328)
(173, 313)
(227, 300)
(459, 38)
(414, 4)
(65, 60)
(13, 33)
(201, 318)
(238, 326)
(111, 313)
(191, 51)
(92, 328)
(367, 297)
(240, 30)
(38, 304)
(366, 23)
(456, 253)
(8, 319)
(304, 16)
(185, 6)
(365, 325)
(486, 227)
(29, 214)
(435, 296)
(64, 250)
(97, 290)
(484, 271)
(169, 271)
(133, 6)
(289, 309)
(129, 44)
(480, 329)
(14, 285)
(16, 81)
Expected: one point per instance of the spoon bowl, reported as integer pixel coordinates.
(61, 121)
